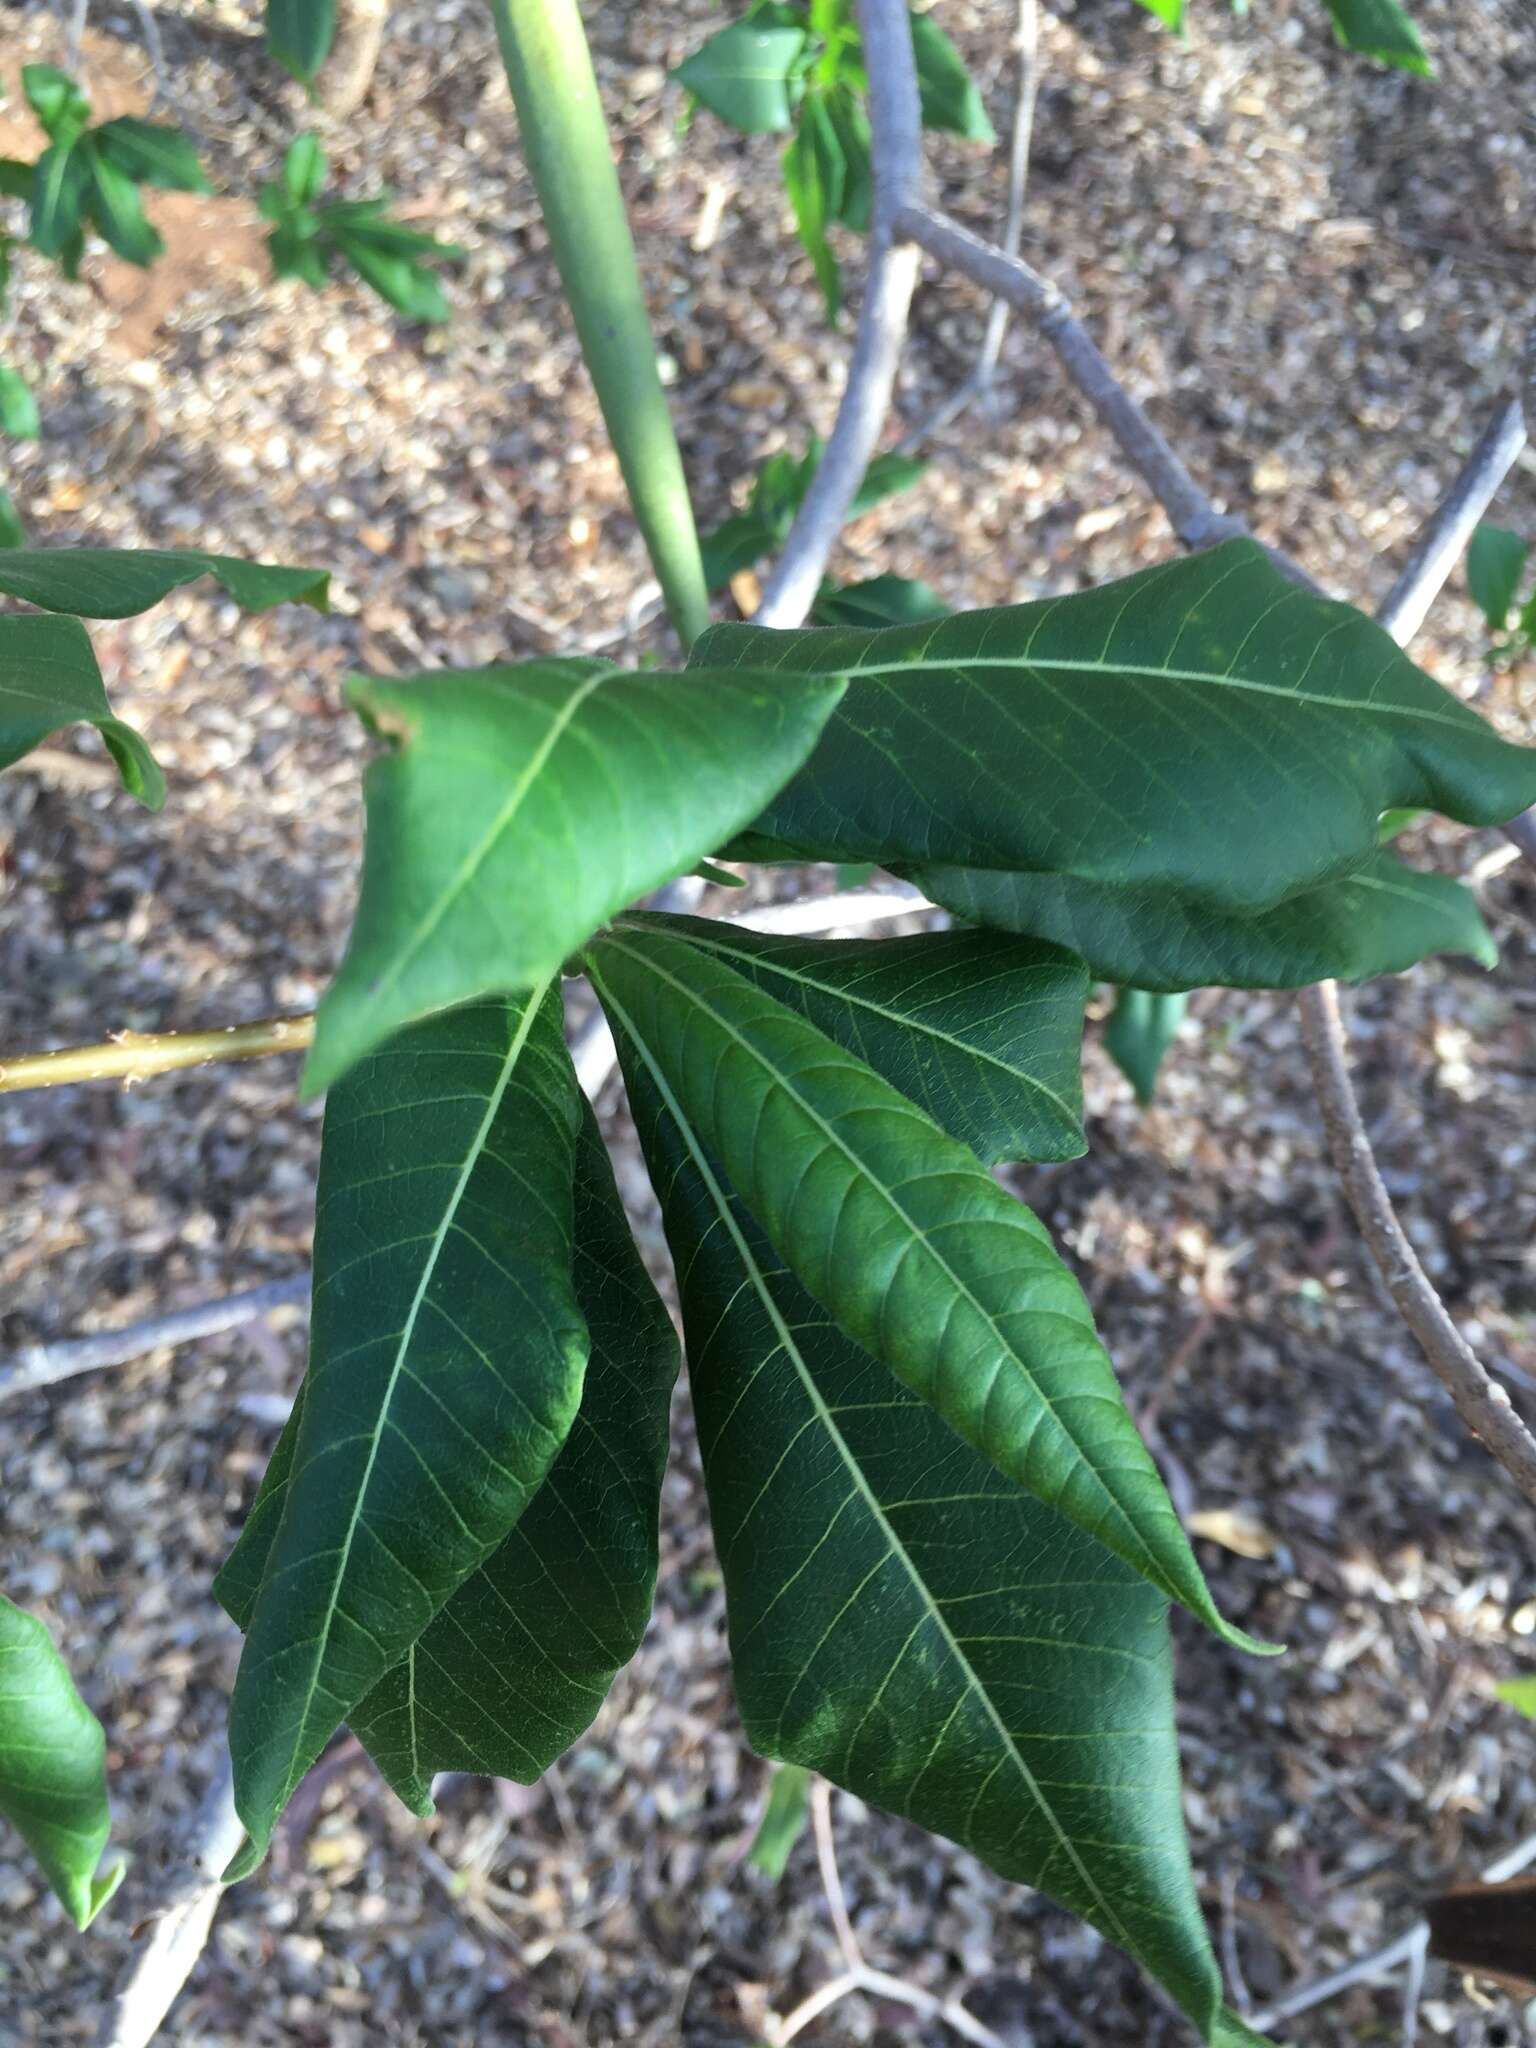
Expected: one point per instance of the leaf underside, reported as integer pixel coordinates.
(446, 1358)
(49, 678)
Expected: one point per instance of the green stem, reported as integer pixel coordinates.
(549, 68)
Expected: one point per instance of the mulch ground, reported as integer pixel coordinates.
(1317, 272)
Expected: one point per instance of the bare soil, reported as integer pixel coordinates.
(1317, 272)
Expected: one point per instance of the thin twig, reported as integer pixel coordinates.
(897, 157)
(1027, 42)
(154, 49)
(1440, 546)
(136, 1055)
(74, 34)
(831, 1876)
(184, 1911)
(1195, 519)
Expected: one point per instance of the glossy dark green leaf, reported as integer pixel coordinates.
(18, 408)
(747, 74)
(518, 807)
(114, 583)
(59, 182)
(57, 101)
(783, 1821)
(905, 1239)
(48, 679)
(53, 1773)
(300, 34)
(878, 601)
(946, 89)
(1141, 1027)
(1379, 920)
(513, 1669)
(152, 153)
(814, 174)
(446, 1360)
(111, 199)
(1381, 29)
(905, 1620)
(1205, 728)
(981, 1031)
(1495, 564)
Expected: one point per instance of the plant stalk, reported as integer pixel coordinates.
(565, 137)
(136, 1055)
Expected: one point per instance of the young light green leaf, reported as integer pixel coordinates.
(57, 101)
(152, 153)
(814, 173)
(778, 491)
(53, 1773)
(1381, 919)
(1381, 29)
(1205, 728)
(18, 408)
(1519, 1693)
(300, 34)
(513, 1669)
(905, 1620)
(946, 89)
(1169, 11)
(304, 167)
(906, 1240)
(982, 1032)
(446, 1360)
(748, 75)
(49, 678)
(1141, 1027)
(114, 583)
(1495, 564)
(518, 807)
(783, 1821)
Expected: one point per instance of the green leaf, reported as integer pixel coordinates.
(1495, 564)
(1142, 1026)
(113, 204)
(1205, 728)
(56, 100)
(886, 477)
(152, 154)
(297, 254)
(878, 601)
(903, 1618)
(399, 280)
(850, 124)
(814, 173)
(905, 1239)
(18, 408)
(49, 678)
(949, 97)
(1379, 920)
(304, 170)
(53, 1773)
(1519, 1693)
(515, 1666)
(114, 583)
(58, 191)
(12, 533)
(778, 491)
(783, 1821)
(735, 544)
(1381, 29)
(446, 1360)
(747, 74)
(1169, 11)
(982, 1032)
(518, 807)
(16, 178)
(300, 33)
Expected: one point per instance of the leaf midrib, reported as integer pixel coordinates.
(478, 854)
(855, 1470)
(896, 1017)
(532, 1003)
(1152, 1569)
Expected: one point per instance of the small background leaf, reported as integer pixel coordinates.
(746, 75)
(783, 1821)
(300, 33)
(49, 678)
(114, 583)
(1140, 1030)
(1381, 29)
(1495, 564)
